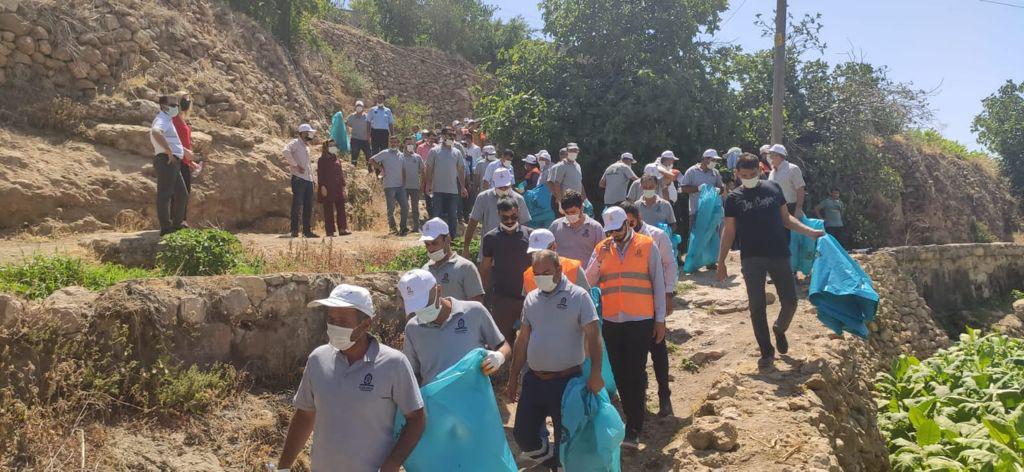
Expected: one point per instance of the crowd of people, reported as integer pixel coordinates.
(526, 298)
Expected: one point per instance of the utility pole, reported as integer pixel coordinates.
(779, 71)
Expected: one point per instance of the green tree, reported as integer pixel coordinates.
(286, 19)
(395, 21)
(1000, 127)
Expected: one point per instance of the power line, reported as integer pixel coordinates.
(734, 13)
(1003, 3)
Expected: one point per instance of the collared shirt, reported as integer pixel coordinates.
(577, 243)
(423, 149)
(393, 163)
(696, 176)
(297, 154)
(668, 260)
(413, 166)
(616, 182)
(491, 167)
(355, 405)
(658, 212)
(545, 174)
(458, 277)
(357, 121)
(485, 209)
(654, 269)
(832, 211)
(447, 163)
(432, 348)
(380, 117)
(568, 175)
(556, 322)
(635, 191)
(479, 167)
(790, 179)
(508, 253)
(165, 125)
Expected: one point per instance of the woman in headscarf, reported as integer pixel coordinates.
(331, 189)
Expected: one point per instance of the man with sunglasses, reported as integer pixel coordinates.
(504, 259)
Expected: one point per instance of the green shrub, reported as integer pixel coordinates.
(981, 234)
(40, 276)
(194, 390)
(199, 252)
(961, 409)
(415, 257)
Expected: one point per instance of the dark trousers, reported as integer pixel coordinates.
(659, 357)
(539, 400)
(839, 233)
(627, 345)
(186, 176)
(506, 310)
(357, 146)
(446, 207)
(171, 193)
(378, 140)
(413, 196)
(754, 270)
(302, 197)
(428, 202)
(334, 208)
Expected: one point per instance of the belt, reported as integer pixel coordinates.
(570, 372)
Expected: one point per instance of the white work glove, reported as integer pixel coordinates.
(492, 362)
(271, 467)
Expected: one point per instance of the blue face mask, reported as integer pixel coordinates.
(173, 111)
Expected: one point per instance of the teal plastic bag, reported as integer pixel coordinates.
(588, 208)
(592, 430)
(538, 201)
(673, 238)
(606, 366)
(841, 290)
(704, 236)
(464, 429)
(339, 133)
(802, 248)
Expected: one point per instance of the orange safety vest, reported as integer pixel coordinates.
(626, 283)
(570, 267)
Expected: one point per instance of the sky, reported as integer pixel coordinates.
(964, 49)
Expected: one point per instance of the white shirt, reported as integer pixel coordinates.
(164, 125)
(790, 178)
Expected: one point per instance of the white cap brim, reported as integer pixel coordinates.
(607, 226)
(426, 239)
(416, 302)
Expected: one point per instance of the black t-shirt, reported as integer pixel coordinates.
(508, 252)
(758, 220)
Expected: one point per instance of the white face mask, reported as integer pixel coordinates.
(449, 142)
(572, 219)
(544, 164)
(546, 283)
(572, 156)
(750, 183)
(650, 193)
(409, 148)
(713, 165)
(359, 109)
(340, 338)
(503, 192)
(173, 111)
(333, 150)
(437, 255)
(509, 228)
(429, 313)
(492, 157)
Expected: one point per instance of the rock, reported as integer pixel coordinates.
(201, 142)
(9, 5)
(79, 70)
(722, 388)
(26, 45)
(192, 311)
(88, 224)
(254, 287)
(230, 117)
(11, 309)
(70, 307)
(733, 306)
(769, 298)
(816, 382)
(44, 47)
(137, 250)
(712, 432)
(704, 357)
(1018, 307)
(38, 33)
(233, 302)
(21, 58)
(110, 22)
(128, 138)
(90, 55)
(798, 404)
(14, 23)
(285, 300)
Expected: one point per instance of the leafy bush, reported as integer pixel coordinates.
(199, 252)
(962, 409)
(42, 275)
(415, 257)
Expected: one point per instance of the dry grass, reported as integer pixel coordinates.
(131, 222)
(326, 256)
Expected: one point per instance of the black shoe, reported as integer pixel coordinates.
(766, 361)
(310, 234)
(631, 441)
(295, 235)
(781, 343)
(403, 232)
(664, 407)
(415, 230)
(712, 267)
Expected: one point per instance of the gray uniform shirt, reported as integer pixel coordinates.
(458, 277)
(616, 182)
(447, 164)
(392, 162)
(556, 323)
(358, 123)
(355, 405)
(696, 177)
(568, 175)
(485, 210)
(431, 348)
(413, 165)
(659, 212)
(577, 243)
(635, 191)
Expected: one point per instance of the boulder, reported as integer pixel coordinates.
(712, 432)
(1018, 308)
(26, 45)
(14, 24)
(70, 308)
(192, 311)
(704, 357)
(128, 138)
(134, 250)
(11, 309)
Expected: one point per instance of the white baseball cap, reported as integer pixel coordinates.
(306, 128)
(669, 155)
(432, 229)
(415, 287)
(488, 149)
(711, 153)
(502, 177)
(359, 103)
(543, 154)
(734, 151)
(344, 296)
(530, 159)
(614, 217)
(652, 170)
(764, 149)
(627, 156)
(572, 146)
(540, 239)
(778, 149)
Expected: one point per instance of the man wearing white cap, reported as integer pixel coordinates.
(296, 154)
(627, 267)
(488, 156)
(566, 175)
(789, 177)
(616, 179)
(544, 162)
(636, 190)
(504, 162)
(445, 328)
(654, 209)
(359, 136)
(572, 269)
(558, 319)
(532, 176)
(485, 208)
(350, 391)
(704, 172)
(731, 156)
(460, 278)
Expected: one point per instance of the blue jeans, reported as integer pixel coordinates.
(446, 207)
(302, 196)
(396, 195)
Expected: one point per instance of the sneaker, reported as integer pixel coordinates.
(781, 343)
(310, 234)
(664, 407)
(344, 232)
(631, 441)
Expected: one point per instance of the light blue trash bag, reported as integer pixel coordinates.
(673, 238)
(802, 248)
(841, 290)
(606, 370)
(704, 236)
(538, 201)
(592, 430)
(464, 429)
(339, 133)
